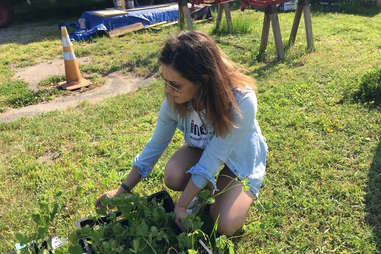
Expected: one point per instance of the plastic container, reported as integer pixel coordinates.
(161, 196)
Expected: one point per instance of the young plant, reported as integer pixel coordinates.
(39, 241)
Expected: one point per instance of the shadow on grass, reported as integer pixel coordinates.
(149, 61)
(24, 33)
(291, 60)
(355, 8)
(373, 198)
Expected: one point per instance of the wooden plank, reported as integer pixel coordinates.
(308, 25)
(115, 12)
(181, 14)
(167, 24)
(296, 23)
(203, 20)
(156, 24)
(125, 29)
(277, 34)
(150, 7)
(265, 33)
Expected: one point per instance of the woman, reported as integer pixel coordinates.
(214, 105)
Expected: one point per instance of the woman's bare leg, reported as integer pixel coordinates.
(232, 203)
(175, 176)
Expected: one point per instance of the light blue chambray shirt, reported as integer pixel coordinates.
(243, 150)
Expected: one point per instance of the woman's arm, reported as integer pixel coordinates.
(164, 131)
(191, 190)
(133, 178)
(144, 162)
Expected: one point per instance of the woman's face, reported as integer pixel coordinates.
(180, 89)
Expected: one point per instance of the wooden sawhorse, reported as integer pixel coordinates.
(303, 5)
(184, 14)
(228, 16)
(272, 15)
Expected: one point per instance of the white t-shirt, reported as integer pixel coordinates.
(198, 132)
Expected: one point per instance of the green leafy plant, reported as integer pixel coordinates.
(39, 240)
(370, 88)
(136, 225)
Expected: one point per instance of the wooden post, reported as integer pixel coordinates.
(295, 25)
(228, 16)
(184, 13)
(265, 33)
(181, 15)
(308, 24)
(219, 16)
(378, 2)
(187, 15)
(276, 32)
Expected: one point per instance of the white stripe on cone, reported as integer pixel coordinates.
(66, 42)
(69, 56)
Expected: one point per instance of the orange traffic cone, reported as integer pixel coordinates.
(74, 79)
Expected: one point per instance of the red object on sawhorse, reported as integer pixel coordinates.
(260, 3)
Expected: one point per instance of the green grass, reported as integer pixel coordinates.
(242, 25)
(322, 191)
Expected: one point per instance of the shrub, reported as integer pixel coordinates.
(370, 88)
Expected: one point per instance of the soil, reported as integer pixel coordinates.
(44, 70)
(116, 84)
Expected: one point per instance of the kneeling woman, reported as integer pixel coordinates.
(214, 105)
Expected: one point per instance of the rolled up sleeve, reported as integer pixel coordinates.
(219, 148)
(164, 131)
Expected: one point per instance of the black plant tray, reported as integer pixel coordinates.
(161, 196)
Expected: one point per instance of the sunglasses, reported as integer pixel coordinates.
(172, 85)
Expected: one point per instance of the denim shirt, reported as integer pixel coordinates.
(243, 150)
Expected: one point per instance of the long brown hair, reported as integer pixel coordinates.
(197, 58)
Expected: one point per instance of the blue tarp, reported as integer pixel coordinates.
(95, 23)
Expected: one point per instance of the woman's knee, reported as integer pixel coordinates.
(174, 178)
(231, 208)
(228, 225)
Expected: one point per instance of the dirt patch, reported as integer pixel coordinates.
(44, 70)
(116, 84)
(48, 158)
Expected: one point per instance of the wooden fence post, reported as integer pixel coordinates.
(308, 25)
(276, 32)
(228, 16)
(219, 16)
(265, 33)
(295, 25)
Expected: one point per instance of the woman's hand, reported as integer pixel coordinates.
(108, 194)
(180, 214)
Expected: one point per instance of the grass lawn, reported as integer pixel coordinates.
(322, 191)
